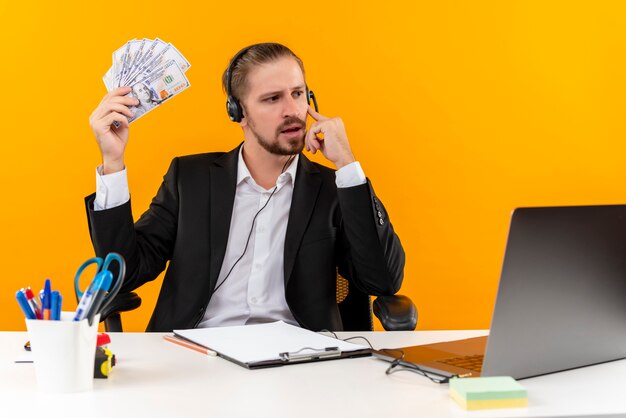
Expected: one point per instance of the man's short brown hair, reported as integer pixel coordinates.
(250, 57)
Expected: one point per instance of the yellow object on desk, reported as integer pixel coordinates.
(488, 393)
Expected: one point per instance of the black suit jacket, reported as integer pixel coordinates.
(187, 225)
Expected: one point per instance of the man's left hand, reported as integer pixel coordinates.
(333, 142)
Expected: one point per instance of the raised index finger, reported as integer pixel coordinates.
(315, 115)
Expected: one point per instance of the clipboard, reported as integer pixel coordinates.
(271, 345)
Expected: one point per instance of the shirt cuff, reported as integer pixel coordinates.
(111, 189)
(350, 175)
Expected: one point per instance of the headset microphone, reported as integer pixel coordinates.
(311, 96)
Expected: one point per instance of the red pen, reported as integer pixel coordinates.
(32, 301)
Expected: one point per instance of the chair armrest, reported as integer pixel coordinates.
(123, 302)
(396, 313)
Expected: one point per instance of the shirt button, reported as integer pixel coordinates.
(380, 215)
(252, 300)
(381, 221)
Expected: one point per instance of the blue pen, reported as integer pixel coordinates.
(21, 299)
(99, 294)
(85, 301)
(59, 306)
(55, 309)
(47, 290)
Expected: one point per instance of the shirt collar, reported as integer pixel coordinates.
(243, 173)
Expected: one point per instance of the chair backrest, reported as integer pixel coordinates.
(123, 302)
(355, 307)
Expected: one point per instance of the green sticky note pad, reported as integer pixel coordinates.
(488, 393)
(487, 388)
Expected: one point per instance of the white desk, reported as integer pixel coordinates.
(154, 378)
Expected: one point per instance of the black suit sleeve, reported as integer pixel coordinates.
(148, 244)
(373, 255)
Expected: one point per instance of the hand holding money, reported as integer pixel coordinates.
(112, 139)
(144, 75)
(153, 69)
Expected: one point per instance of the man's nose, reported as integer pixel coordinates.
(291, 107)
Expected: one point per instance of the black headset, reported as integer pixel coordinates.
(233, 107)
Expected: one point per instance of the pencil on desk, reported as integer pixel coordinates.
(189, 344)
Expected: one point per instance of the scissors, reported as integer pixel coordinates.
(99, 293)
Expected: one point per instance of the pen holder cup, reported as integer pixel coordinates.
(63, 353)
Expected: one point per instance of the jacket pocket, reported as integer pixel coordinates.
(317, 235)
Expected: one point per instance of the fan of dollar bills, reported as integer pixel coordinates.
(154, 69)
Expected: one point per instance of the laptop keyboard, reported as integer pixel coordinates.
(473, 363)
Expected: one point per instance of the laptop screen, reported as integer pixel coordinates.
(561, 300)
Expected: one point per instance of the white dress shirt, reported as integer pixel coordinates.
(254, 292)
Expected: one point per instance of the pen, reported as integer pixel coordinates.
(55, 303)
(32, 300)
(47, 290)
(99, 294)
(85, 301)
(21, 299)
(188, 344)
(60, 305)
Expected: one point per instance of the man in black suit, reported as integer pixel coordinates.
(255, 234)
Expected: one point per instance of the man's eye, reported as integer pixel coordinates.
(298, 93)
(271, 99)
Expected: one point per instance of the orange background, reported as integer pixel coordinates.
(458, 111)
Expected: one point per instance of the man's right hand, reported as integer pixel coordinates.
(111, 140)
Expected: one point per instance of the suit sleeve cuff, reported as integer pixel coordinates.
(350, 175)
(111, 189)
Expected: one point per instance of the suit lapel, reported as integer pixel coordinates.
(305, 193)
(223, 186)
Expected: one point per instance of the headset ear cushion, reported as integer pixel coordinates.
(308, 95)
(233, 109)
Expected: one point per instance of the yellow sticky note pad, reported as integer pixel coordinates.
(488, 393)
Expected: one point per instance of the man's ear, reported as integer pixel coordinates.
(244, 120)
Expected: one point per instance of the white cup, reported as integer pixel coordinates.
(64, 353)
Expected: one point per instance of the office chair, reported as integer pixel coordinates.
(123, 302)
(396, 313)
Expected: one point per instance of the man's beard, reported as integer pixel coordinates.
(293, 146)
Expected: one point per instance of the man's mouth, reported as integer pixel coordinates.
(291, 129)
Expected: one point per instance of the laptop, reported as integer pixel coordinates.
(561, 301)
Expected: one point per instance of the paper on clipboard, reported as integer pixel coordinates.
(254, 344)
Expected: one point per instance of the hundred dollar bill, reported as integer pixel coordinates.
(162, 84)
(113, 76)
(131, 53)
(110, 77)
(120, 63)
(146, 60)
(166, 54)
(138, 52)
(135, 60)
(121, 59)
(153, 68)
